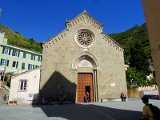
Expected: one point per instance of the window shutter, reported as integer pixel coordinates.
(18, 53)
(7, 62)
(23, 66)
(17, 65)
(24, 54)
(1, 62)
(28, 66)
(13, 52)
(3, 50)
(9, 51)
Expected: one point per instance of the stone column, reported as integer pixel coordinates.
(95, 83)
(152, 14)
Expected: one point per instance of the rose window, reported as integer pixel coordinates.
(84, 38)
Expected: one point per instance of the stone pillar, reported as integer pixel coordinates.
(95, 83)
(152, 14)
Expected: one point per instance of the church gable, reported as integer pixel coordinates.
(52, 41)
(112, 42)
(85, 19)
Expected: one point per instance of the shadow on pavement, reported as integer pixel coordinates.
(58, 90)
(88, 112)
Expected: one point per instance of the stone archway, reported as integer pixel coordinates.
(87, 58)
(86, 66)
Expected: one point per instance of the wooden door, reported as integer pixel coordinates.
(85, 84)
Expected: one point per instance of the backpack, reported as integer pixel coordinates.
(156, 112)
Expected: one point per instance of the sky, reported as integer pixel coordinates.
(43, 19)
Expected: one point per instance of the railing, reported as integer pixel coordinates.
(6, 87)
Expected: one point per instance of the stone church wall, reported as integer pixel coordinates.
(58, 75)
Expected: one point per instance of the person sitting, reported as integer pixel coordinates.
(123, 97)
(85, 99)
(147, 114)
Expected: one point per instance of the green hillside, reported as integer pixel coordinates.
(135, 35)
(16, 39)
(137, 53)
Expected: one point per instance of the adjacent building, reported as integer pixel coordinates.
(24, 87)
(15, 59)
(152, 14)
(82, 59)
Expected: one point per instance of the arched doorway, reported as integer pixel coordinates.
(86, 78)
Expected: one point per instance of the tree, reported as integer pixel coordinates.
(8, 79)
(135, 78)
(138, 58)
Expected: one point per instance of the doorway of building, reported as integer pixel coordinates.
(85, 86)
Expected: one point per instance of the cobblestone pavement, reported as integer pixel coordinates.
(130, 110)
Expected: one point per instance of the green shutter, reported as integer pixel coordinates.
(18, 53)
(9, 51)
(24, 54)
(13, 52)
(17, 65)
(7, 62)
(1, 62)
(3, 50)
(23, 66)
(28, 66)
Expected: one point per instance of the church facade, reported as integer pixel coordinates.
(82, 59)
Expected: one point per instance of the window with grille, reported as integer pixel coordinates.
(15, 64)
(4, 62)
(6, 50)
(23, 84)
(15, 53)
(32, 57)
(30, 67)
(24, 54)
(23, 66)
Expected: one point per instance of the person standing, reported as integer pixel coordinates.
(5, 98)
(88, 96)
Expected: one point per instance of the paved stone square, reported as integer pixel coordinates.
(130, 110)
